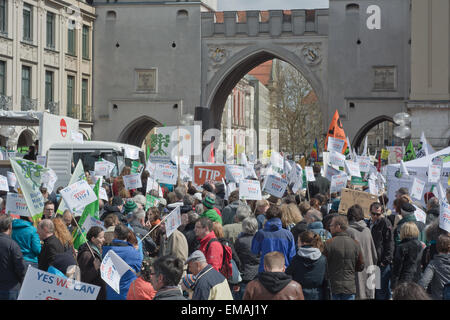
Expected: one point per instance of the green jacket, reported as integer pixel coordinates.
(408, 218)
(212, 215)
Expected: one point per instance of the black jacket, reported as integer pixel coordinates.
(141, 232)
(90, 268)
(309, 268)
(169, 294)
(249, 260)
(51, 247)
(191, 238)
(12, 267)
(108, 209)
(407, 262)
(383, 238)
(321, 185)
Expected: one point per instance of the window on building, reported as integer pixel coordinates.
(27, 22)
(3, 17)
(71, 96)
(85, 42)
(50, 30)
(71, 42)
(84, 99)
(2, 77)
(49, 75)
(26, 82)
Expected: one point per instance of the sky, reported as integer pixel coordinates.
(234, 5)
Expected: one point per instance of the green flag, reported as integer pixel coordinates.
(410, 153)
(92, 210)
(148, 153)
(151, 202)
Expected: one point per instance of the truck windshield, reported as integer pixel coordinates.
(89, 159)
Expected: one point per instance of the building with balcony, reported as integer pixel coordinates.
(46, 60)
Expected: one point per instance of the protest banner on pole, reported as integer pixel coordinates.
(173, 221)
(420, 214)
(352, 168)
(41, 285)
(234, 173)
(338, 182)
(4, 183)
(364, 163)
(417, 188)
(275, 186)
(101, 168)
(337, 159)
(434, 173)
(92, 222)
(166, 173)
(277, 161)
(16, 204)
(77, 175)
(205, 172)
(132, 181)
(112, 269)
(29, 177)
(444, 217)
(249, 171)
(250, 190)
(335, 144)
(373, 188)
(77, 196)
(309, 174)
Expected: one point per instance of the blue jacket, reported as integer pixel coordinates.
(27, 238)
(273, 238)
(133, 258)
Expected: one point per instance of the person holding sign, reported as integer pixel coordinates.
(321, 185)
(128, 254)
(12, 267)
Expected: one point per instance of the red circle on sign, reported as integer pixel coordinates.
(63, 127)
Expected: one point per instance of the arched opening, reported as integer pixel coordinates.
(25, 139)
(380, 134)
(252, 116)
(137, 131)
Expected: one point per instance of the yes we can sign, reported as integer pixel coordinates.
(78, 195)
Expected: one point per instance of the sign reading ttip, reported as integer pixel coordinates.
(204, 173)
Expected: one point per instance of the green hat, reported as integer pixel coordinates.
(209, 202)
(129, 206)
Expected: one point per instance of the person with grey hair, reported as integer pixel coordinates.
(12, 266)
(230, 210)
(140, 200)
(232, 231)
(51, 245)
(249, 261)
(137, 224)
(313, 215)
(180, 192)
(432, 210)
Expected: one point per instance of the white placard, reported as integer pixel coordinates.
(335, 144)
(111, 165)
(77, 136)
(173, 221)
(12, 180)
(420, 214)
(277, 161)
(16, 204)
(250, 190)
(49, 179)
(4, 184)
(77, 196)
(102, 194)
(275, 186)
(373, 188)
(234, 173)
(166, 173)
(337, 158)
(338, 182)
(112, 269)
(444, 217)
(132, 181)
(42, 160)
(41, 285)
(309, 174)
(434, 173)
(92, 222)
(249, 171)
(417, 189)
(296, 174)
(352, 168)
(132, 153)
(101, 168)
(364, 163)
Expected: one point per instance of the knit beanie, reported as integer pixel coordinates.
(129, 206)
(209, 202)
(189, 281)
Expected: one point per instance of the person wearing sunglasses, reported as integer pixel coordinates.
(383, 238)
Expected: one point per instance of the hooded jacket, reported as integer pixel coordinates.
(273, 286)
(229, 212)
(273, 238)
(358, 230)
(437, 274)
(407, 261)
(214, 256)
(308, 268)
(27, 238)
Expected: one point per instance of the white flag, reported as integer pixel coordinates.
(173, 221)
(112, 269)
(364, 153)
(403, 169)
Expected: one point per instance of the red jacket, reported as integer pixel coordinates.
(141, 290)
(214, 256)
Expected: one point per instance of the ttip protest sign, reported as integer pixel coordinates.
(78, 195)
(204, 173)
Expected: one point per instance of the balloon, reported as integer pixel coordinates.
(402, 132)
(402, 118)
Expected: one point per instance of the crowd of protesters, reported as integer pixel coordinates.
(298, 247)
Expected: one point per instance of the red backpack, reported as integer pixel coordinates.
(226, 269)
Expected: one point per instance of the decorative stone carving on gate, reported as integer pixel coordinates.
(311, 54)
